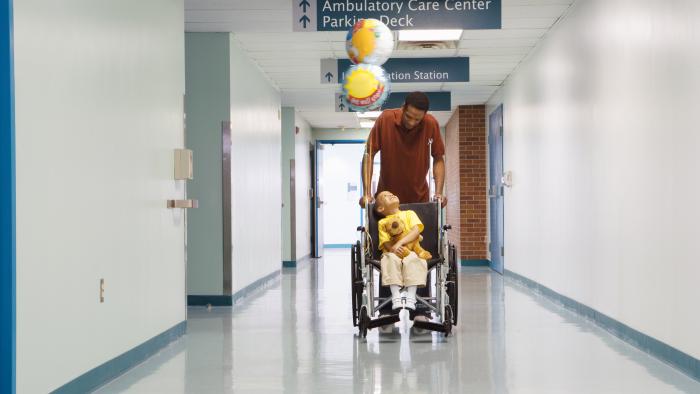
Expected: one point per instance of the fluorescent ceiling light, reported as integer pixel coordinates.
(369, 114)
(430, 35)
(367, 124)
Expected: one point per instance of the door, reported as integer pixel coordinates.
(496, 188)
(318, 201)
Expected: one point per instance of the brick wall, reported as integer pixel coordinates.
(452, 178)
(466, 139)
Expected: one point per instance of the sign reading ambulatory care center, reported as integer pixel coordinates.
(341, 15)
(415, 70)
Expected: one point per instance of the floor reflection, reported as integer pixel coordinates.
(297, 337)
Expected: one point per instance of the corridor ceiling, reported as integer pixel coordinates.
(292, 60)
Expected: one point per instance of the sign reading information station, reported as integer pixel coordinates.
(341, 15)
(403, 70)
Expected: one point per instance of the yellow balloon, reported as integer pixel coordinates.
(364, 41)
(361, 83)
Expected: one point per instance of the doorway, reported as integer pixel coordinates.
(496, 188)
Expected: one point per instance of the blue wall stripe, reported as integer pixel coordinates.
(337, 246)
(331, 142)
(7, 204)
(474, 263)
(656, 348)
(113, 368)
(228, 300)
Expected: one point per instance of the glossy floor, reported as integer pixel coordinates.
(297, 337)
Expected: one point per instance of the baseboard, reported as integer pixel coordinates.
(229, 300)
(115, 367)
(474, 263)
(213, 300)
(294, 263)
(682, 361)
(257, 285)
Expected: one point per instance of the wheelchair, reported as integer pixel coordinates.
(438, 299)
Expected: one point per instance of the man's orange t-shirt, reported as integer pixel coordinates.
(405, 158)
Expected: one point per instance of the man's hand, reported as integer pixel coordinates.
(441, 198)
(364, 200)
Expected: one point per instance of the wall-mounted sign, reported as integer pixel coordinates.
(341, 15)
(434, 69)
(439, 101)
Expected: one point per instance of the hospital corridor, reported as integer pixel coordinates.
(349, 196)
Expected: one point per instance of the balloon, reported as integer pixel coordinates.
(365, 87)
(369, 41)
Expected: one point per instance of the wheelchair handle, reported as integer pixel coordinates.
(447, 227)
(360, 228)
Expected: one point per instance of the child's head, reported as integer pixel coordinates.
(386, 204)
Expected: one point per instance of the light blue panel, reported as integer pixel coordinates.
(7, 203)
(207, 105)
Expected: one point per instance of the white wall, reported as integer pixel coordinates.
(342, 214)
(601, 135)
(99, 90)
(255, 167)
(303, 184)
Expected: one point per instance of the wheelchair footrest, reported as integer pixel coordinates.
(383, 321)
(426, 325)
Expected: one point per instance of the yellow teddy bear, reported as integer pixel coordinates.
(396, 230)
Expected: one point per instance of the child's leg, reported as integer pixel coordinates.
(415, 271)
(411, 297)
(392, 277)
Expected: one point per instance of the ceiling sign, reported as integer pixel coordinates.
(435, 69)
(439, 101)
(341, 15)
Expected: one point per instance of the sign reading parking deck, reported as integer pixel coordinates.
(341, 15)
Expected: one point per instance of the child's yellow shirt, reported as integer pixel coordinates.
(409, 219)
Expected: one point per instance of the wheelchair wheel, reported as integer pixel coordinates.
(355, 283)
(364, 322)
(447, 323)
(453, 284)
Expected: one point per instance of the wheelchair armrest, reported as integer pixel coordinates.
(433, 262)
(375, 263)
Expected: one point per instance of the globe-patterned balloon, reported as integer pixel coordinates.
(365, 87)
(369, 41)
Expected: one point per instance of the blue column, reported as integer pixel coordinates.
(7, 203)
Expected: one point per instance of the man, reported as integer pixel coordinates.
(403, 135)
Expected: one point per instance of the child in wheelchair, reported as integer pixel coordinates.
(403, 263)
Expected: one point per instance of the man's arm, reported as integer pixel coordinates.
(410, 237)
(439, 175)
(367, 166)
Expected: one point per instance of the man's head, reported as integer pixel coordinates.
(414, 109)
(386, 204)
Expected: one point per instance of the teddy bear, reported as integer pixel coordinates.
(396, 230)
